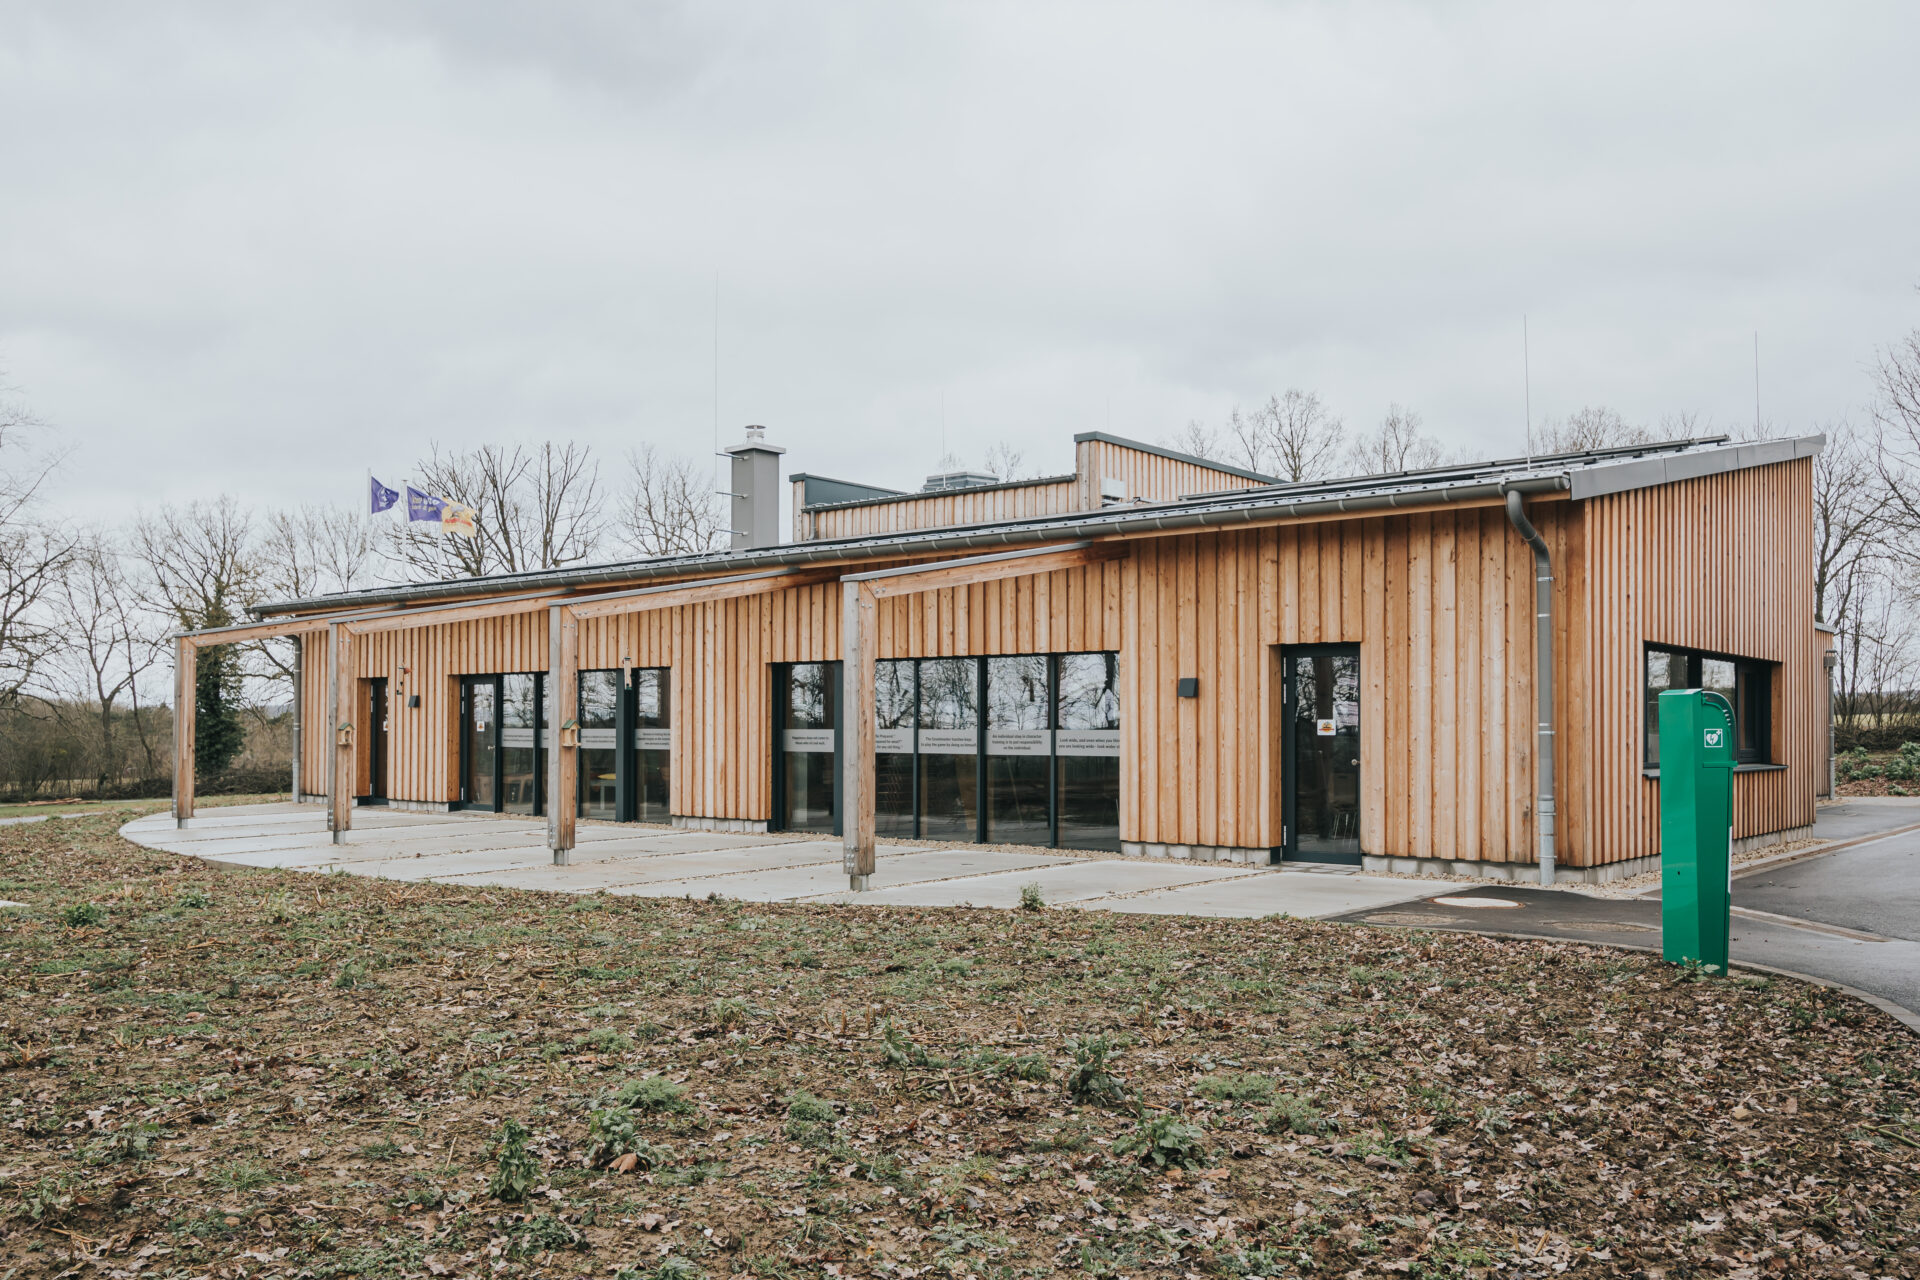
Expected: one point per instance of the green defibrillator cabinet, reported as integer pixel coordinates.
(1696, 827)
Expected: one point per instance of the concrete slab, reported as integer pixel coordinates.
(611, 874)
(826, 879)
(1267, 893)
(1062, 883)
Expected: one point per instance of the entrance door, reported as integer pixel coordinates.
(377, 739)
(479, 742)
(1320, 753)
(652, 745)
(807, 740)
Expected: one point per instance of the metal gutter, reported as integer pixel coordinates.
(1543, 676)
(1110, 522)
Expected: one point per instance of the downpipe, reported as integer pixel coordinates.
(1543, 674)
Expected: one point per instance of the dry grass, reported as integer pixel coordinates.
(217, 1073)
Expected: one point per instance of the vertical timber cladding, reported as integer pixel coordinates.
(1441, 605)
(1722, 563)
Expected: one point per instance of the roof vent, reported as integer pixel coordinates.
(958, 480)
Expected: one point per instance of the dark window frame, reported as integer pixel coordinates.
(1753, 702)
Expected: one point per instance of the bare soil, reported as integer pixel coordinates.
(219, 1073)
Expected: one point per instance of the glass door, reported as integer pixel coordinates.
(949, 760)
(1019, 751)
(377, 739)
(653, 744)
(895, 704)
(1087, 748)
(1320, 753)
(479, 742)
(599, 715)
(807, 703)
(520, 743)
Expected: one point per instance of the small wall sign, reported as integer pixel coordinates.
(1323, 727)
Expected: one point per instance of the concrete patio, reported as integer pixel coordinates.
(488, 849)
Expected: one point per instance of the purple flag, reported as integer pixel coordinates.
(383, 497)
(424, 506)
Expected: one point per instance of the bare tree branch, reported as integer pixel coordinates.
(538, 509)
(668, 507)
(1398, 445)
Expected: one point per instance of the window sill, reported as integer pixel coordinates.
(1654, 773)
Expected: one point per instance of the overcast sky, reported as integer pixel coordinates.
(261, 247)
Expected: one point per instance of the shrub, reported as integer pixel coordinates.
(1090, 1080)
(1030, 899)
(1164, 1141)
(1245, 1086)
(612, 1133)
(515, 1168)
(656, 1095)
(605, 1040)
(83, 915)
(1290, 1114)
(729, 1012)
(807, 1109)
(898, 1051)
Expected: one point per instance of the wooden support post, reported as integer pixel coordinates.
(340, 700)
(563, 747)
(299, 690)
(857, 731)
(185, 668)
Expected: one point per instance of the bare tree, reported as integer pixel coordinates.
(33, 552)
(1195, 439)
(538, 509)
(1397, 445)
(1291, 436)
(316, 550)
(669, 506)
(1850, 508)
(1598, 427)
(112, 639)
(1005, 462)
(1897, 413)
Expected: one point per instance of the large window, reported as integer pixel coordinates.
(1746, 683)
(1013, 750)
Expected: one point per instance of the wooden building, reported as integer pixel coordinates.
(1155, 654)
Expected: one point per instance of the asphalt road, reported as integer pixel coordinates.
(1850, 916)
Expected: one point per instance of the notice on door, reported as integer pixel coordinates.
(653, 739)
(809, 740)
(1088, 742)
(949, 742)
(1324, 728)
(1019, 742)
(893, 742)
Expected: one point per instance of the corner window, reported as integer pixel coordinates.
(1746, 683)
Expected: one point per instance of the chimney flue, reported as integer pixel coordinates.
(756, 491)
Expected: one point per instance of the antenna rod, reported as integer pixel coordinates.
(1756, 382)
(1526, 382)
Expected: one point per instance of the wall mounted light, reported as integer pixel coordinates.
(1188, 687)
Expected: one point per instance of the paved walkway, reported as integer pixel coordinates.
(480, 849)
(1850, 915)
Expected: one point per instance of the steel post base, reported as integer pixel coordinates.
(859, 884)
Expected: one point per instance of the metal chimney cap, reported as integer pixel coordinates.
(756, 441)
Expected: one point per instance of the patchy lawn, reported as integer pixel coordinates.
(221, 1073)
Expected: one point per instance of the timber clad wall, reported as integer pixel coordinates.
(1722, 563)
(963, 506)
(1440, 603)
(1146, 475)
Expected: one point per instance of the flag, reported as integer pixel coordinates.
(382, 496)
(455, 518)
(423, 506)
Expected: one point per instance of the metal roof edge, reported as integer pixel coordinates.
(1226, 468)
(1142, 518)
(914, 496)
(1645, 473)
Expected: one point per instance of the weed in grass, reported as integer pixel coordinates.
(1446, 1111)
(353, 974)
(1030, 899)
(279, 907)
(47, 1201)
(1091, 1080)
(381, 1150)
(1492, 1120)
(807, 1109)
(673, 1267)
(654, 1095)
(131, 1142)
(193, 899)
(1164, 1141)
(1247, 1086)
(83, 915)
(515, 1168)
(613, 1134)
(898, 1051)
(729, 1013)
(1291, 1114)
(241, 1177)
(605, 1040)
(541, 1234)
